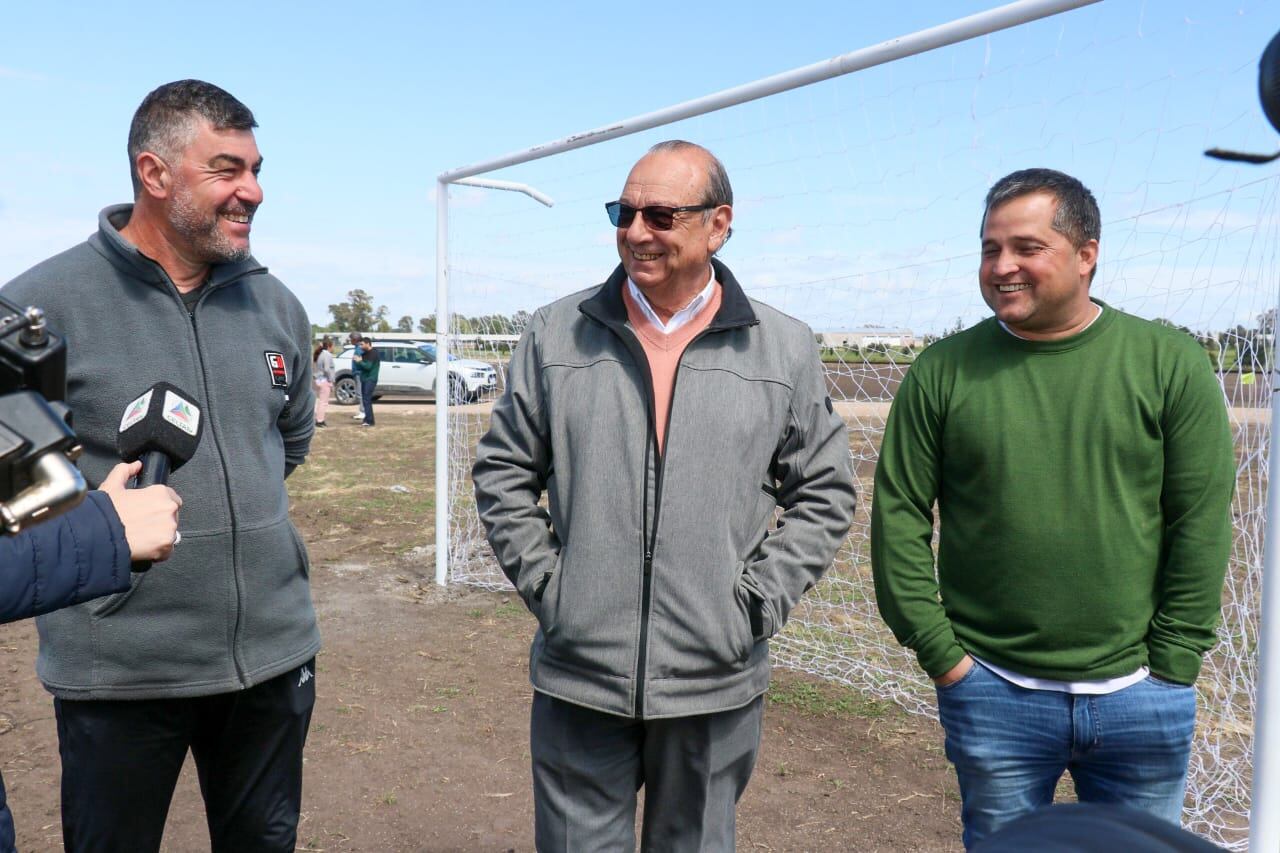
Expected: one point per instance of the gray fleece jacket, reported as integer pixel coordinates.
(232, 606)
(657, 579)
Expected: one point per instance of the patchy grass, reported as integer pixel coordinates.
(368, 495)
(827, 700)
(509, 610)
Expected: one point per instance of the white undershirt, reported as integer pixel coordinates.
(684, 315)
(1077, 688)
(1096, 306)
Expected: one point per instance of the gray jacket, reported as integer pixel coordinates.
(324, 366)
(232, 606)
(657, 579)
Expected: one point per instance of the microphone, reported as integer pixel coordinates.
(163, 429)
(1269, 94)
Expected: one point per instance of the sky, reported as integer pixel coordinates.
(857, 199)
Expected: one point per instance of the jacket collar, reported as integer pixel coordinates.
(125, 256)
(606, 305)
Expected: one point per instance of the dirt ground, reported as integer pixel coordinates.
(420, 735)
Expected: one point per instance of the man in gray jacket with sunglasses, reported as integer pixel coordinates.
(668, 418)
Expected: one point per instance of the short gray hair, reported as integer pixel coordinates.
(718, 190)
(165, 120)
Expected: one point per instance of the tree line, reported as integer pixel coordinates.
(1247, 347)
(1250, 347)
(359, 313)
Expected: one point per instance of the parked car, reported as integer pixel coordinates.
(409, 368)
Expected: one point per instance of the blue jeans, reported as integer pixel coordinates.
(366, 401)
(6, 823)
(1010, 746)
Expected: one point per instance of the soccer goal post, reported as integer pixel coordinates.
(857, 207)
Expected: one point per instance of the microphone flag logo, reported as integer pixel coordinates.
(181, 414)
(136, 411)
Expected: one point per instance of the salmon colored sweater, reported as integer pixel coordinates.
(664, 351)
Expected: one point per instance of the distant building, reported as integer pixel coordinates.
(863, 338)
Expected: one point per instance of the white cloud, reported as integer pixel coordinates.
(22, 74)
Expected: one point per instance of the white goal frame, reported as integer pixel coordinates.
(1264, 824)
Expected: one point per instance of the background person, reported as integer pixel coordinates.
(667, 417)
(366, 364)
(322, 367)
(1082, 466)
(215, 654)
(353, 340)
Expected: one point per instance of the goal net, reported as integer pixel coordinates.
(857, 210)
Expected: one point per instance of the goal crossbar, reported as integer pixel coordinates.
(961, 29)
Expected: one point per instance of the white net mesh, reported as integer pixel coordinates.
(857, 210)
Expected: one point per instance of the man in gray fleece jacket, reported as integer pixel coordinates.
(214, 653)
(668, 418)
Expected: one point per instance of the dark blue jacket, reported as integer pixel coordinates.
(64, 561)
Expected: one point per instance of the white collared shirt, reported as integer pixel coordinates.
(684, 315)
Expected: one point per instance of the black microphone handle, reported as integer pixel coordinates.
(155, 472)
(155, 469)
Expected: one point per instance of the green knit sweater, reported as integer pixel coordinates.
(367, 367)
(1083, 488)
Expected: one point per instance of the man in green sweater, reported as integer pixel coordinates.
(1082, 466)
(366, 362)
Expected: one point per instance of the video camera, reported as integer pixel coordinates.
(38, 476)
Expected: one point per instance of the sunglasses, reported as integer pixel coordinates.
(659, 217)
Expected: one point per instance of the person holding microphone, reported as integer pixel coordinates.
(82, 555)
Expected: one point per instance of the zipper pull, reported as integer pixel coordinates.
(648, 563)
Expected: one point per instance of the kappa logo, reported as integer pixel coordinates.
(279, 373)
(304, 675)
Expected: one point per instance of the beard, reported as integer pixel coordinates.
(205, 239)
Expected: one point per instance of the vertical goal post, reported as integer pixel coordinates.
(1235, 703)
(442, 351)
(1264, 817)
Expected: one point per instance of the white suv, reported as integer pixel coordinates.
(409, 368)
